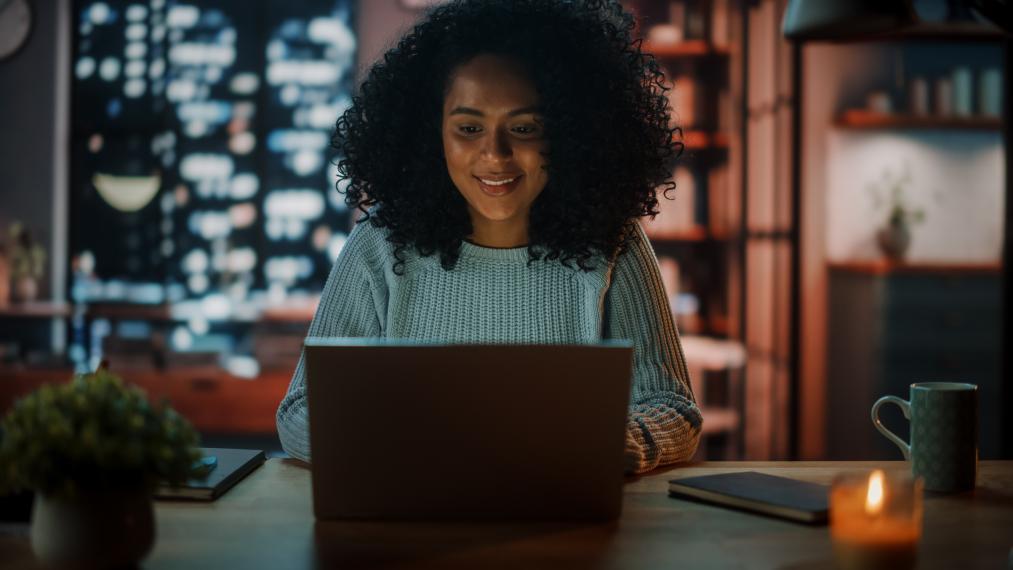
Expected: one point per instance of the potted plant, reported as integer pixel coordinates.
(93, 451)
(27, 262)
(894, 236)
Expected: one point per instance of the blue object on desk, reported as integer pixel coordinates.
(207, 463)
(222, 468)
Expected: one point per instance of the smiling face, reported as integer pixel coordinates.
(493, 142)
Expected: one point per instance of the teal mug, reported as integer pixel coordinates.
(944, 433)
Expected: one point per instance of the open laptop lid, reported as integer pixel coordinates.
(405, 429)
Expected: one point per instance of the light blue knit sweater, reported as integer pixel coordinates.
(493, 296)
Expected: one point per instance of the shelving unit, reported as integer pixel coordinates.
(700, 68)
(958, 331)
(36, 309)
(210, 398)
(700, 140)
(861, 119)
(688, 48)
(696, 235)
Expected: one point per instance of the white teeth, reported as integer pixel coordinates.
(497, 183)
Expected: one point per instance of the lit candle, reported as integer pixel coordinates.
(876, 520)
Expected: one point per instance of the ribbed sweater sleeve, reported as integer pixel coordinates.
(349, 307)
(663, 425)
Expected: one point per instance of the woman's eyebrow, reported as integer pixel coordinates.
(477, 113)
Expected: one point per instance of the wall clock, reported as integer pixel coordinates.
(15, 26)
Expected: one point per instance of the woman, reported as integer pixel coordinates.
(501, 154)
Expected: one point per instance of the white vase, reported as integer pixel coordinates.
(894, 240)
(93, 531)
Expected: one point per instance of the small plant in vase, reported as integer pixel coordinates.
(894, 236)
(93, 451)
(27, 260)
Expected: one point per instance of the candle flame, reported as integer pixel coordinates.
(874, 498)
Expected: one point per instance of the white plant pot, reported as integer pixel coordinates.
(894, 240)
(93, 531)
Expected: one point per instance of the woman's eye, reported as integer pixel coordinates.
(526, 129)
(522, 130)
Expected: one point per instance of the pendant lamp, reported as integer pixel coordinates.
(844, 19)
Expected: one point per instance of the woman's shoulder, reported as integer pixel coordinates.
(636, 253)
(635, 242)
(367, 243)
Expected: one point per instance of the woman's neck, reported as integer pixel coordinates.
(500, 236)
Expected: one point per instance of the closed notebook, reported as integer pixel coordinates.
(232, 466)
(771, 495)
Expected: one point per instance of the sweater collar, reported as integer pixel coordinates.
(510, 254)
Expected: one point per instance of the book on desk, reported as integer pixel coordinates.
(232, 465)
(760, 493)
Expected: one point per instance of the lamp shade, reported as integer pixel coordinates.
(844, 19)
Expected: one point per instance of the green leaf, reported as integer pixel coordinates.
(93, 431)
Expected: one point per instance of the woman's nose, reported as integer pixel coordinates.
(497, 145)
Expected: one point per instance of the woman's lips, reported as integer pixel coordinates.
(499, 189)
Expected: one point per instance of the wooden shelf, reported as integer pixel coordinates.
(697, 234)
(36, 310)
(861, 119)
(293, 314)
(719, 325)
(698, 140)
(885, 267)
(213, 400)
(693, 234)
(127, 311)
(686, 49)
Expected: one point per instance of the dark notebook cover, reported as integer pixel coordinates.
(233, 465)
(781, 497)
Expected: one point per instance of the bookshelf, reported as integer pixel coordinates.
(906, 66)
(696, 235)
(700, 140)
(685, 49)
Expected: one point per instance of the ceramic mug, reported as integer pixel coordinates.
(944, 433)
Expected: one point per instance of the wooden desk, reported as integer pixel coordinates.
(267, 522)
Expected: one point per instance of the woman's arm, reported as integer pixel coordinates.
(663, 425)
(350, 305)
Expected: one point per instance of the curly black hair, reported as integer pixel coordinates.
(606, 121)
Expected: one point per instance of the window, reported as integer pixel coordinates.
(203, 177)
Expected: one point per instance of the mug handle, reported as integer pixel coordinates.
(905, 407)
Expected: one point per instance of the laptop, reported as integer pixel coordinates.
(411, 430)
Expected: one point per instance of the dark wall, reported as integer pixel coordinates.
(28, 125)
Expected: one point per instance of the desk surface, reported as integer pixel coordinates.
(267, 522)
